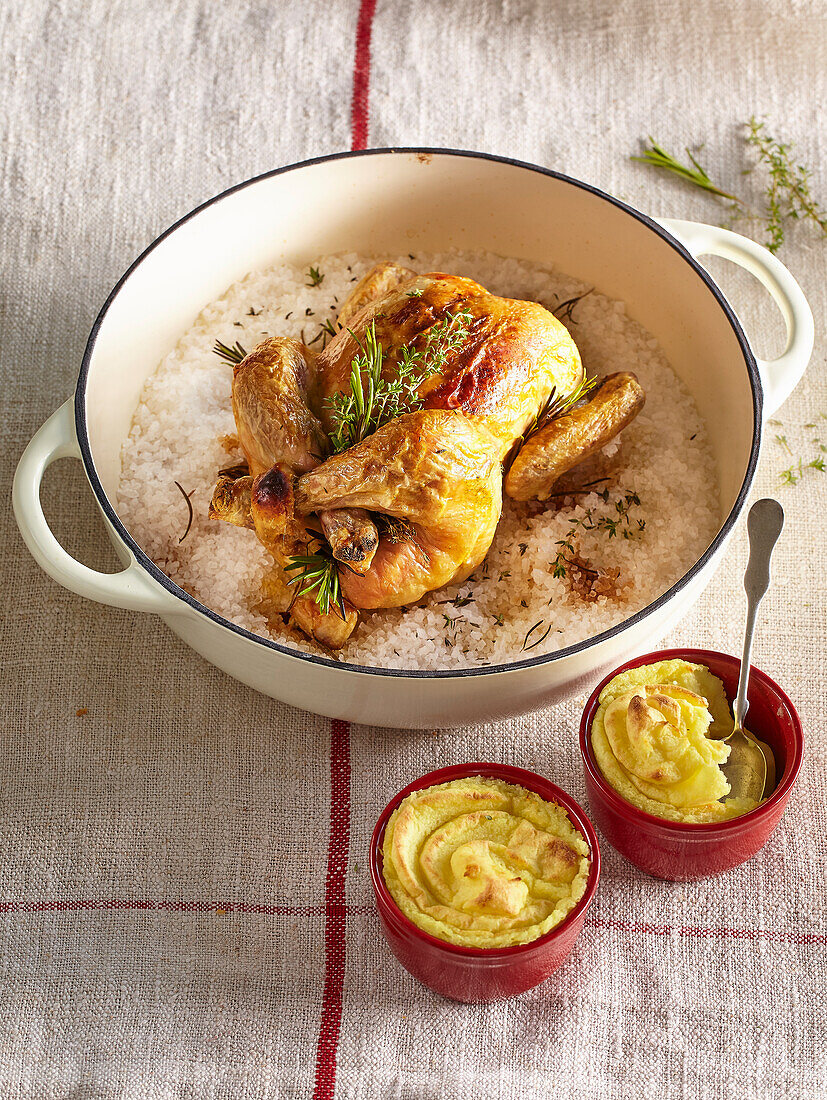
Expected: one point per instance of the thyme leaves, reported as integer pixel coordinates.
(374, 399)
(559, 404)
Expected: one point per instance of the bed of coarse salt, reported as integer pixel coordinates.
(514, 606)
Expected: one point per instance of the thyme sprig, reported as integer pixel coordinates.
(788, 192)
(563, 312)
(318, 577)
(558, 404)
(315, 276)
(795, 472)
(622, 525)
(394, 528)
(374, 400)
(798, 468)
(526, 647)
(230, 353)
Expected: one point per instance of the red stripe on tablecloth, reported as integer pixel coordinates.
(335, 911)
(148, 904)
(697, 932)
(359, 110)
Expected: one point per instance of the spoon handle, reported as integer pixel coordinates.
(764, 524)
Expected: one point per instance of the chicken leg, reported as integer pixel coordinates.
(440, 472)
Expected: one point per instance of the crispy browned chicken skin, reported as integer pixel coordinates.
(437, 471)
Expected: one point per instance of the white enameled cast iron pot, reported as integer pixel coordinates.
(391, 201)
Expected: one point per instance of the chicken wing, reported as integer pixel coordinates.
(276, 426)
(278, 434)
(569, 440)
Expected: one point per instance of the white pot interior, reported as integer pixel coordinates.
(396, 202)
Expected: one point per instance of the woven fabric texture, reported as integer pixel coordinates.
(185, 910)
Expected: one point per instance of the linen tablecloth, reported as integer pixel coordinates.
(184, 904)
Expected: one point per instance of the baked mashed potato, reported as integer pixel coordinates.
(483, 863)
(655, 738)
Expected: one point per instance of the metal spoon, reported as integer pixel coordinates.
(750, 769)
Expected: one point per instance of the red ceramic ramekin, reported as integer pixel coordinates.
(678, 851)
(476, 974)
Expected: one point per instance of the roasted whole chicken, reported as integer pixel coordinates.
(374, 470)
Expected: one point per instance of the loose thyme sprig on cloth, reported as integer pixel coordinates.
(796, 471)
(787, 194)
(374, 400)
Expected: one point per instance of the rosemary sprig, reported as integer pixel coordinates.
(564, 311)
(232, 353)
(186, 497)
(318, 576)
(374, 400)
(657, 157)
(558, 404)
(315, 277)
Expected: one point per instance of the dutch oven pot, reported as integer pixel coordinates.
(391, 201)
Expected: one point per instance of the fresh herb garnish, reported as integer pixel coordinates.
(787, 195)
(559, 405)
(788, 192)
(394, 529)
(232, 353)
(374, 400)
(458, 601)
(566, 307)
(657, 157)
(186, 497)
(526, 647)
(415, 293)
(622, 525)
(319, 577)
(795, 472)
(327, 330)
(315, 277)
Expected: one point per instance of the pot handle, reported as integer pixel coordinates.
(780, 376)
(130, 588)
